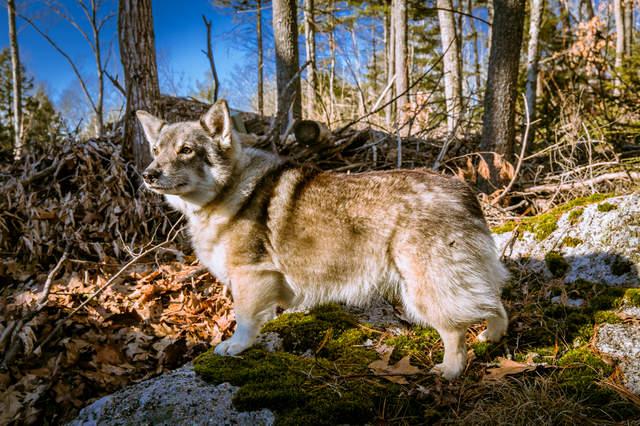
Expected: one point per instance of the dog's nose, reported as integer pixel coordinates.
(151, 175)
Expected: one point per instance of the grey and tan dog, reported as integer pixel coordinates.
(284, 236)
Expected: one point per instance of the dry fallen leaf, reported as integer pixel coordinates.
(402, 368)
(507, 367)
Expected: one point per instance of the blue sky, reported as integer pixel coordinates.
(180, 36)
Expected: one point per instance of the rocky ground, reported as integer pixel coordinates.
(572, 354)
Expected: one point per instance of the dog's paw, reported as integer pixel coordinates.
(231, 347)
(447, 372)
(485, 336)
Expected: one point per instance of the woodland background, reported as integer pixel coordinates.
(531, 102)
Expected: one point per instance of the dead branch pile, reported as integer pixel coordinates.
(78, 197)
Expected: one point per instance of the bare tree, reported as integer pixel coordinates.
(390, 36)
(310, 44)
(452, 64)
(138, 56)
(620, 38)
(475, 48)
(91, 10)
(498, 131)
(285, 31)
(260, 57)
(16, 80)
(628, 27)
(402, 74)
(212, 64)
(537, 8)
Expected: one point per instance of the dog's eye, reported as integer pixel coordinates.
(185, 150)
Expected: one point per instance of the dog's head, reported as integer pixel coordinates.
(190, 159)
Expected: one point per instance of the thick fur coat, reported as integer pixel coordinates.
(284, 236)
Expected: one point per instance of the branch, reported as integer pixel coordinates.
(44, 296)
(209, 55)
(116, 83)
(66, 56)
(581, 184)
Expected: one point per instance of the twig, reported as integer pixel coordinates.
(212, 64)
(626, 175)
(44, 296)
(55, 330)
(525, 139)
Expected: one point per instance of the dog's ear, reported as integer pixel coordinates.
(217, 122)
(151, 125)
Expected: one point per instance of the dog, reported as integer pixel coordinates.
(285, 236)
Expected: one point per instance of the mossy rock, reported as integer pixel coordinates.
(572, 242)
(330, 384)
(581, 372)
(606, 207)
(632, 297)
(543, 225)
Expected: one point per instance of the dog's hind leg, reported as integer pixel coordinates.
(496, 326)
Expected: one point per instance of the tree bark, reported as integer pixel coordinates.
(95, 28)
(310, 44)
(498, 131)
(628, 27)
(452, 64)
(16, 81)
(620, 38)
(390, 50)
(285, 32)
(260, 58)
(332, 60)
(537, 8)
(402, 74)
(476, 50)
(138, 56)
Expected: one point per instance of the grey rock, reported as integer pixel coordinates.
(176, 398)
(607, 254)
(622, 342)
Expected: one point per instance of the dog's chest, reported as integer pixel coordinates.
(210, 250)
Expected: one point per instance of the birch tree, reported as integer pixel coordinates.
(537, 8)
(628, 27)
(16, 80)
(138, 56)
(452, 64)
(310, 45)
(402, 76)
(285, 32)
(620, 38)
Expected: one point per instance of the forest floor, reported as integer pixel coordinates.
(98, 328)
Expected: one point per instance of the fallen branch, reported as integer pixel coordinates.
(581, 184)
(44, 296)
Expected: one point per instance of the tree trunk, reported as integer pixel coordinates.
(452, 64)
(260, 59)
(332, 60)
(537, 8)
(390, 61)
(212, 62)
(619, 18)
(628, 27)
(588, 9)
(498, 131)
(310, 44)
(402, 75)
(138, 56)
(285, 36)
(95, 28)
(476, 51)
(16, 80)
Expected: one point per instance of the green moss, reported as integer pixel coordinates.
(632, 297)
(575, 215)
(571, 242)
(556, 264)
(606, 207)
(504, 228)
(417, 341)
(302, 389)
(606, 317)
(582, 370)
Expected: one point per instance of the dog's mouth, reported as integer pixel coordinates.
(166, 189)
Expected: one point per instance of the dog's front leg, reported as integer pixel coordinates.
(255, 298)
